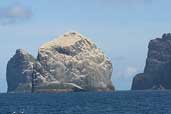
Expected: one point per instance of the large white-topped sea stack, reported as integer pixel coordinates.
(70, 63)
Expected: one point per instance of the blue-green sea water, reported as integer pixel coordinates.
(120, 102)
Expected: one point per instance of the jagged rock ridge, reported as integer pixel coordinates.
(157, 72)
(69, 63)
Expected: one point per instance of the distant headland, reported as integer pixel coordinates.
(157, 71)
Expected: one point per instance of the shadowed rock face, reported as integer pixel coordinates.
(19, 70)
(67, 63)
(157, 72)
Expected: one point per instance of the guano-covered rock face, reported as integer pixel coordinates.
(157, 72)
(69, 63)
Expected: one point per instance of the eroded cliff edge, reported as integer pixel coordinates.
(69, 63)
(157, 72)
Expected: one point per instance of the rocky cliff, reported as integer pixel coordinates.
(69, 63)
(19, 70)
(157, 72)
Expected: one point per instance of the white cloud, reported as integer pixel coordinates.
(131, 71)
(125, 73)
(14, 14)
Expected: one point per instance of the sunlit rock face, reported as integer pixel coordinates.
(157, 72)
(71, 62)
(72, 58)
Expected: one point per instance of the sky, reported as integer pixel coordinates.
(121, 28)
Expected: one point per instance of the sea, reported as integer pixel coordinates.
(119, 102)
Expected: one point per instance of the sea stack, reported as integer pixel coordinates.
(69, 63)
(19, 71)
(157, 72)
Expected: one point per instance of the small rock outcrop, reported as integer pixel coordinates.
(157, 72)
(69, 63)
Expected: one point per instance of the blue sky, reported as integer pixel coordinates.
(121, 28)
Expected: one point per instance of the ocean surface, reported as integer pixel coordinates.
(120, 102)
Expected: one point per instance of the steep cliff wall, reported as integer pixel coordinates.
(157, 72)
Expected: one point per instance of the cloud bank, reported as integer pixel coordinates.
(14, 14)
